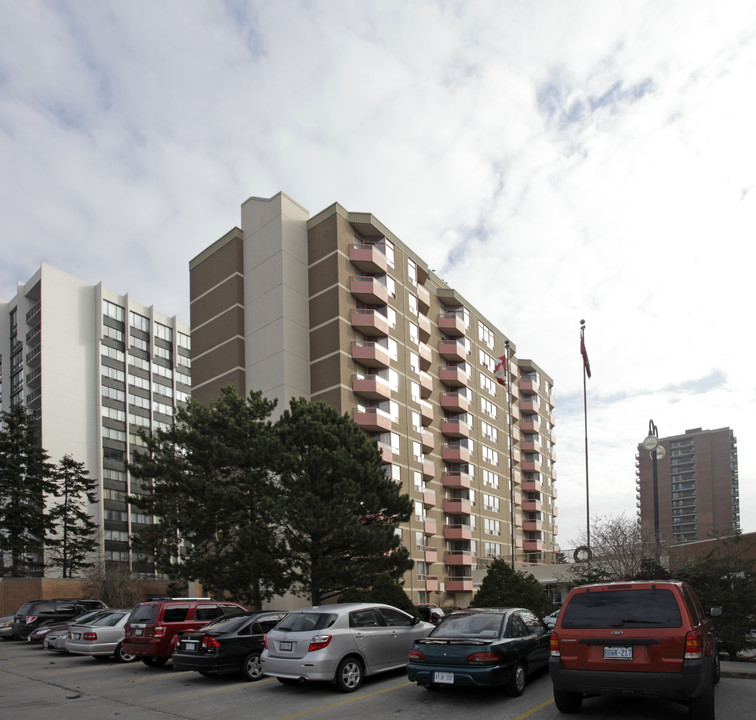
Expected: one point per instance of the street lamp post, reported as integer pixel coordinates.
(656, 453)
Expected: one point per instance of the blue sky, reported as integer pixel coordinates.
(551, 160)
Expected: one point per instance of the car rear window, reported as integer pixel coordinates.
(652, 608)
(302, 622)
(107, 619)
(476, 625)
(177, 613)
(144, 614)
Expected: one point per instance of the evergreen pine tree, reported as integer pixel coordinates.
(339, 510)
(25, 485)
(503, 586)
(75, 530)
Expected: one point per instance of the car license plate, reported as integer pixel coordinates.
(284, 645)
(190, 645)
(76, 636)
(618, 653)
(443, 677)
(137, 631)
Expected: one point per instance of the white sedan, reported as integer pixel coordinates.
(101, 636)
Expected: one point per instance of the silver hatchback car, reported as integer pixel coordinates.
(340, 643)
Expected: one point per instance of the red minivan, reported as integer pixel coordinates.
(644, 638)
(152, 625)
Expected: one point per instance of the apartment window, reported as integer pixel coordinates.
(485, 335)
(411, 271)
(113, 393)
(396, 473)
(184, 341)
(419, 541)
(395, 442)
(113, 434)
(486, 360)
(491, 526)
(187, 379)
(112, 333)
(163, 332)
(141, 518)
(165, 353)
(422, 570)
(140, 382)
(417, 478)
(414, 362)
(117, 535)
(112, 310)
(113, 413)
(419, 511)
(390, 286)
(415, 391)
(391, 315)
(116, 515)
(417, 451)
(112, 373)
(116, 495)
(140, 343)
(490, 479)
(489, 454)
(112, 353)
(492, 549)
(487, 384)
(412, 303)
(140, 322)
(110, 474)
(389, 251)
(490, 502)
(413, 334)
(139, 401)
(416, 422)
(488, 431)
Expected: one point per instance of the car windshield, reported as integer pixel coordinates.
(302, 622)
(107, 619)
(478, 625)
(652, 608)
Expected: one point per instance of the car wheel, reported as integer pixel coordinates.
(122, 656)
(516, 684)
(348, 675)
(154, 661)
(702, 708)
(567, 702)
(251, 668)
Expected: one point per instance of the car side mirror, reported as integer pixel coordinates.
(415, 620)
(715, 612)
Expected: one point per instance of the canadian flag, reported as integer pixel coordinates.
(500, 370)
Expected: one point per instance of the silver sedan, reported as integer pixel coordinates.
(101, 636)
(340, 643)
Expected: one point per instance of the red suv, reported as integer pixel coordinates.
(152, 625)
(645, 639)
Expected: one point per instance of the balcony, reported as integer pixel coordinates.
(369, 387)
(370, 354)
(387, 454)
(532, 526)
(455, 428)
(427, 441)
(455, 402)
(423, 299)
(531, 466)
(453, 376)
(431, 583)
(532, 486)
(528, 385)
(370, 322)
(430, 554)
(532, 505)
(426, 356)
(372, 419)
(426, 413)
(452, 350)
(457, 506)
(457, 532)
(533, 545)
(369, 290)
(429, 526)
(429, 498)
(426, 385)
(455, 454)
(458, 558)
(368, 258)
(454, 584)
(530, 446)
(530, 404)
(424, 327)
(452, 324)
(428, 470)
(456, 480)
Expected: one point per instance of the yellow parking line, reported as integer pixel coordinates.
(346, 702)
(535, 709)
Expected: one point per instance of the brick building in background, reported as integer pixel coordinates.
(336, 308)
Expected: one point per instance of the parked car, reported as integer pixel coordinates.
(430, 613)
(226, 645)
(340, 643)
(550, 619)
(151, 628)
(481, 647)
(651, 639)
(6, 627)
(54, 636)
(43, 612)
(101, 636)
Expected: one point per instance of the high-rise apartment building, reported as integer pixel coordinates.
(94, 367)
(336, 308)
(697, 481)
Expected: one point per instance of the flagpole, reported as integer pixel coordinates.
(585, 420)
(511, 459)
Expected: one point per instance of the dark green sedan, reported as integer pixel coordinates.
(481, 647)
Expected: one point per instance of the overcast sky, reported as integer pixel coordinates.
(553, 161)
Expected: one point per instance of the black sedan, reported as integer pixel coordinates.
(481, 647)
(227, 645)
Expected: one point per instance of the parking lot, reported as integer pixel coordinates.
(36, 684)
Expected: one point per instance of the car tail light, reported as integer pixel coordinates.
(554, 645)
(210, 642)
(30, 619)
(89, 636)
(265, 641)
(693, 645)
(159, 631)
(483, 657)
(69, 636)
(318, 642)
(416, 655)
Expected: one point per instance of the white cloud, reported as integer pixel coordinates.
(552, 160)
